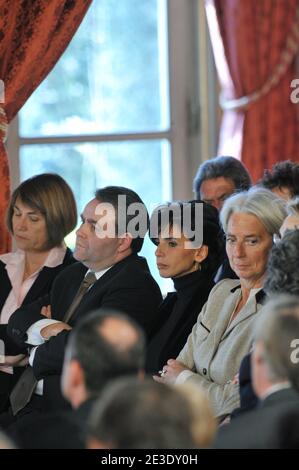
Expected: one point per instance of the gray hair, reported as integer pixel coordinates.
(260, 202)
(222, 166)
(293, 206)
(276, 328)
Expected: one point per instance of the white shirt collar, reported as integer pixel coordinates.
(98, 274)
(55, 257)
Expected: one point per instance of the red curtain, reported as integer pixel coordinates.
(255, 44)
(33, 35)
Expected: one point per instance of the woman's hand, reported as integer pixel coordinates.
(170, 372)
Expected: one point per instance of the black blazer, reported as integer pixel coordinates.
(41, 286)
(128, 286)
(176, 317)
(64, 429)
(260, 428)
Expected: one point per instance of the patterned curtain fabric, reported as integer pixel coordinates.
(33, 35)
(255, 45)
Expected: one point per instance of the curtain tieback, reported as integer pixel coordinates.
(286, 58)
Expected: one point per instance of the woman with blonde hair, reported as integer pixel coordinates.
(222, 335)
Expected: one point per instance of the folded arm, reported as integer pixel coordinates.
(48, 357)
(23, 318)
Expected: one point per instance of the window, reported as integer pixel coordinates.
(120, 107)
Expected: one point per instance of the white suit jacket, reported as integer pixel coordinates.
(214, 348)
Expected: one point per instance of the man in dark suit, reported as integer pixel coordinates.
(275, 374)
(104, 346)
(107, 244)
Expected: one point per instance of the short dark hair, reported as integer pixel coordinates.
(133, 414)
(213, 235)
(282, 175)
(276, 329)
(100, 360)
(49, 194)
(222, 166)
(110, 194)
(282, 272)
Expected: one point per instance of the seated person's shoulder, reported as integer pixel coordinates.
(224, 287)
(71, 271)
(220, 292)
(134, 269)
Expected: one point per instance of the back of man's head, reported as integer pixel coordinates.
(147, 415)
(225, 167)
(282, 275)
(277, 338)
(131, 212)
(106, 345)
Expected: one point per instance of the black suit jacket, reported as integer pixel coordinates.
(65, 429)
(128, 286)
(260, 428)
(41, 286)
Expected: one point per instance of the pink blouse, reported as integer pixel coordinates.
(15, 264)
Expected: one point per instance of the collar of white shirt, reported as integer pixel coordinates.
(99, 274)
(55, 257)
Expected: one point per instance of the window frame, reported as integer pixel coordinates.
(193, 111)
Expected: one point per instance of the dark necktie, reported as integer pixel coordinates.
(87, 282)
(24, 388)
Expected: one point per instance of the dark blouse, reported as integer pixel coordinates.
(177, 315)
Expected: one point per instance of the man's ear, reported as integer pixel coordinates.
(201, 253)
(125, 242)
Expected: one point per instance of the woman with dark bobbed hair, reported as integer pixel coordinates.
(42, 211)
(191, 264)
